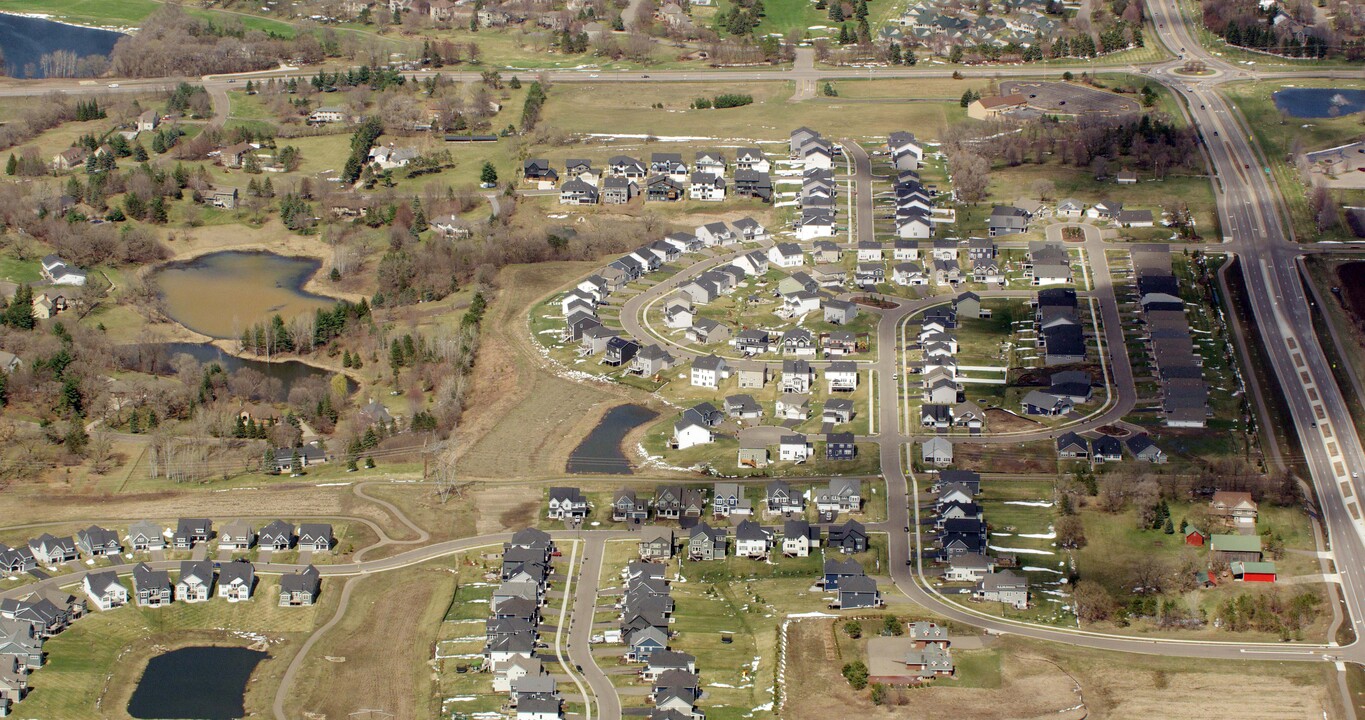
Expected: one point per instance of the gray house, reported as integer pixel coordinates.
(300, 588)
(278, 535)
(1003, 587)
(859, 591)
(145, 535)
(96, 541)
(657, 544)
(707, 543)
(315, 536)
(152, 588)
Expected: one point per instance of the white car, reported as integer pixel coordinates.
(113, 85)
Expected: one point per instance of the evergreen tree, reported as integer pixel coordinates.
(12, 165)
(139, 152)
(19, 314)
(156, 212)
(419, 217)
(267, 189)
(4, 388)
(489, 174)
(158, 143)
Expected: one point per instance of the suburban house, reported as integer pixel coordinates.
(840, 446)
(538, 170)
(1003, 587)
(842, 376)
(857, 592)
(936, 451)
(781, 499)
(837, 411)
(237, 535)
(706, 187)
(797, 377)
(144, 536)
(706, 543)
(189, 531)
(1142, 448)
(968, 567)
(752, 540)
(793, 448)
(627, 507)
(48, 549)
(105, 590)
(619, 190)
(196, 581)
(567, 503)
(848, 537)
(841, 495)
(315, 536)
(96, 541)
(326, 115)
(236, 580)
(152, 588)
(709, 371)
(58, 272)
(300, 588)
(657, 544)
(276, 536)
(799, 537)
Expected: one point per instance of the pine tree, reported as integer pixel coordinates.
(156, 212)
(267, 189)
(489, 174)
(19, 314)
(12, 165)
(140, 153)
(419, 216)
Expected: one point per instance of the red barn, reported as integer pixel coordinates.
(1253, 571)
(1193, 536)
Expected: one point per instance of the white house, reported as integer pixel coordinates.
(691, 430)
(105, 590)
(793, 448)
(786, 255)
(708, 371)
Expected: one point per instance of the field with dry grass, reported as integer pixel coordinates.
(1040, 680)
(378, 657)
(523, 420)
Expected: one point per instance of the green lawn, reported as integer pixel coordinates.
(129, 13)
(615, 108)
(19, 271)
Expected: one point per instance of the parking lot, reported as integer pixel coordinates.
(1071, 99)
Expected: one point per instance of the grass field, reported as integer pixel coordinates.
(613, 108)
(1277, 134)
(20, 271)
(129, 13)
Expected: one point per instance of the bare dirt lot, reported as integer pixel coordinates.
(1033, 458)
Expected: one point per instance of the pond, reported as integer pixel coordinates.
(159, 359)
(26, 40)
(224, 293)
(1319, 102)
(204, 683)
(600, 451)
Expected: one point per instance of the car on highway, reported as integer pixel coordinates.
(113, 85)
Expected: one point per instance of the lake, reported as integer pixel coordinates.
(1319, 102)
(25, 40)
(224, 293)
(157, 358)
(203, 683)
(600, 451)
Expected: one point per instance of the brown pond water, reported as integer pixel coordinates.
(223, 293)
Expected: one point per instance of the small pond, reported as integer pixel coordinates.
(203, 683)
(1319, 102)
(159, 359)
(26, 40)
(224, 293)
(600, 451)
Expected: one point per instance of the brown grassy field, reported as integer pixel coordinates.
(1040, 680)
(377, 656)
(522, 419)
